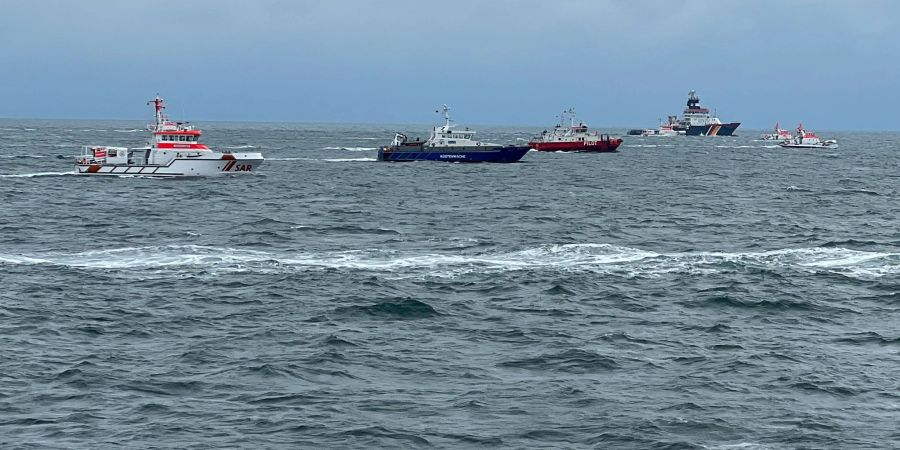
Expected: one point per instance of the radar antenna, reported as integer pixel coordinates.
(693, 100)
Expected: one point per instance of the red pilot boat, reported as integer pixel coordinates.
(573, 138)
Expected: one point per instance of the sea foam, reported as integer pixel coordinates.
(597, 258)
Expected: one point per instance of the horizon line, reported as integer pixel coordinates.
(395, 123)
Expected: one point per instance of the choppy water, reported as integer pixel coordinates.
(682, 293)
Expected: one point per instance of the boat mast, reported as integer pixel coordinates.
(160, 106)
(445, 111)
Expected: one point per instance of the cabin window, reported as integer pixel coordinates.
(451, 142)
(181, 138)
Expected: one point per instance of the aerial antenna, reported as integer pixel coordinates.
(445, 110)
(567, 113)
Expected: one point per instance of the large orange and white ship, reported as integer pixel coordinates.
(174, 150)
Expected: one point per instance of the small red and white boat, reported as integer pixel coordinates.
(663, 130)
(808, 139)
(779, 134)
(174, 150)
(573, 138)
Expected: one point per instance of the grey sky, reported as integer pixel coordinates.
(831, 64)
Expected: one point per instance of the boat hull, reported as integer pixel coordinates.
(227, 164)
(465, 154)
(601, 146)
(716, 129)
(786, 145)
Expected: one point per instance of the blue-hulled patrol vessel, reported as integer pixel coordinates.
(447, 143)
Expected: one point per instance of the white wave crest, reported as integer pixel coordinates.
(323, 159)
(349, 159)
(37, 174)
(648, 145)
(592, 258)
(240, 146)
(161, 257)
(352, 149)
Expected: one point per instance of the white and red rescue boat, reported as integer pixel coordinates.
(808, 139)
(174, 150)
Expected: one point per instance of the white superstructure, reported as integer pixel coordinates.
(696, 115)
(571, 132)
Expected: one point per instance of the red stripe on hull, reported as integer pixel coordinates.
(599, 146)
(182, 146)
(180, 132)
